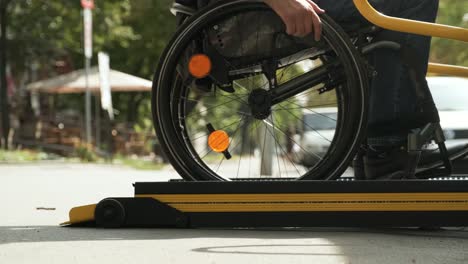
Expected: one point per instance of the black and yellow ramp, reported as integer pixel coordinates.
(283, 204)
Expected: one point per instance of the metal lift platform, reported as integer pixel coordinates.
(244, 204)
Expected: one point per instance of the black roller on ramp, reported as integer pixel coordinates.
(284, 204)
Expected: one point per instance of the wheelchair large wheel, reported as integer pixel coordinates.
(234, 96)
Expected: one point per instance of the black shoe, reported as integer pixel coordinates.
(429, 160)
(393, 163)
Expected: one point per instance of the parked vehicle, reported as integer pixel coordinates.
(315, 135)
(450, 95)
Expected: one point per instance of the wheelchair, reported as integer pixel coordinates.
(236, 98)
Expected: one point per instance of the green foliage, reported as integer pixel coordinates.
(41, 31)
(144, 129)
(134, 33)
(20, 156)
(84, 153)
(153, 25)
(138, 163)
(454, 13)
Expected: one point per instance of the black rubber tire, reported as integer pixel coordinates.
(355, 97)
(109, 213)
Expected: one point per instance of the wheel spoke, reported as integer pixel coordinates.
(241, 56)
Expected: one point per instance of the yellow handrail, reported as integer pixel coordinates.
(420, 28)
(410, 26)
(444, 69)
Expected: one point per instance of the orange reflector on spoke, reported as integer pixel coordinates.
(218, 141)
(199, 66)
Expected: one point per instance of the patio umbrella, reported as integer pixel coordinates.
(74, 82)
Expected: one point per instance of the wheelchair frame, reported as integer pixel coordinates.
(430, 130)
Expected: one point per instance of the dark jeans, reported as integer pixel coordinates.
(393, 100)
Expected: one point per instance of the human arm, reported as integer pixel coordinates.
(301, 17)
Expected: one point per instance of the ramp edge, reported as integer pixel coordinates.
(80, 215)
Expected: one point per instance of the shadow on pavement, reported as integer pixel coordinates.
(19, 234)
(354, 245)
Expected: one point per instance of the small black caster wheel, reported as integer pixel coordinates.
(109, 213)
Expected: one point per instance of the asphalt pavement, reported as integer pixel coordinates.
(35, 198)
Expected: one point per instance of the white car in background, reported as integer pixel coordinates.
(451, 98)
(316, 134)
(450, 95)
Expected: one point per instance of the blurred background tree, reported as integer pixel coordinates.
(45, 39)
(46, 36)
(454, 13)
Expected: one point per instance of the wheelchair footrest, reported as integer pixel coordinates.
(431, 164)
